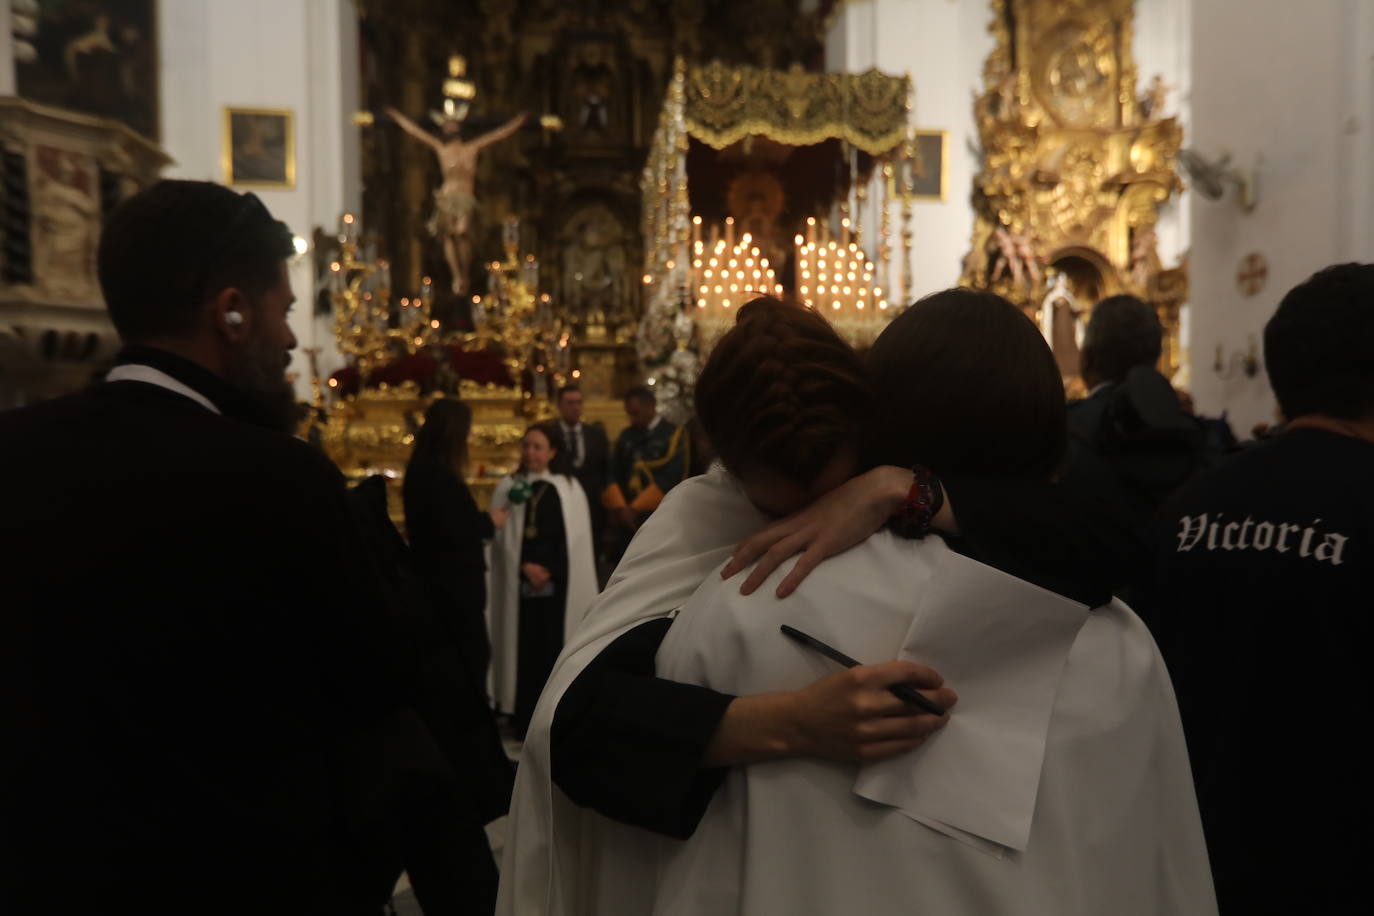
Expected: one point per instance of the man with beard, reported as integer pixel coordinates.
(185, 676)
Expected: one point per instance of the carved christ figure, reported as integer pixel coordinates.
(455, 200)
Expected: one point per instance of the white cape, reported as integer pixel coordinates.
(554, 849)
(1060, 786)
(503, 580)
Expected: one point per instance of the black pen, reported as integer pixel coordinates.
(900, 691)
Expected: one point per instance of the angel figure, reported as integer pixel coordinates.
(455, 201)
(1008, 257)
(1152, 102)
(1143, 259)
(1030, 259)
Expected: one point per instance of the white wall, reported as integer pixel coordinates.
(1294, 82)
(281, 54)
(942, 45)
(1163, 45)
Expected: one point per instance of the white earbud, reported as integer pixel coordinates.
(233, 319)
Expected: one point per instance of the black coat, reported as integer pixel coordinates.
(188, 683)
(595, 471)
(447, 531)
(444, 687)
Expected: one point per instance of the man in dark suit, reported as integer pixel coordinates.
(591, 456)
(189, 689)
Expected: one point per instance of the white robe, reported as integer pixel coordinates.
(1059, 786)
(503, 580)
(554, 850)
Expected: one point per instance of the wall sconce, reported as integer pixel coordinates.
(1247, 363)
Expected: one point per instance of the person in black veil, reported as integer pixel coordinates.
(446, 528)
(445, 773)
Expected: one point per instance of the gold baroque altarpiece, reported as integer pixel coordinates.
(1075, 167)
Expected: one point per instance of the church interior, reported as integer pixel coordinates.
(1055, 152)
(498, 202)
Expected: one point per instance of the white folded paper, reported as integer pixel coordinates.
(979, 774)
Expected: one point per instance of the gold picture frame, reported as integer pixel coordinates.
(931, 146)
(259, 148)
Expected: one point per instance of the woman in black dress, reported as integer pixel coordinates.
(446, 528)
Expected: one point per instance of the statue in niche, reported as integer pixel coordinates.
(66, 223)
(455, 201)
(592, 86)
(1061, 323)
(595, 269)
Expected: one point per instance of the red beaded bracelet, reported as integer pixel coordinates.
(922, 504)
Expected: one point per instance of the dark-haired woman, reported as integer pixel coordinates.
(446, 529)
(790, 394)
(543, 571)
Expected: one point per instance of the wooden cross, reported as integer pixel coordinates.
(1252, 273)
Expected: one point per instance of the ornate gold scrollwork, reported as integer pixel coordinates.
(1074, 165)
(724, 104)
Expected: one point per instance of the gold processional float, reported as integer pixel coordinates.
(1075, 166)
(756, 183)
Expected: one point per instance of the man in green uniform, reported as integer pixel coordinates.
(651, 456)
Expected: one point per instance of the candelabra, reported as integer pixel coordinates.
(726, 275)
(365, 325)
(837, 278)
(514, 318)
(833, 276)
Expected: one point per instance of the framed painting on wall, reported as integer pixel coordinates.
(928, 173)
(98, 57)
(259, 148)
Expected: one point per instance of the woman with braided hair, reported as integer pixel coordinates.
(789, 408)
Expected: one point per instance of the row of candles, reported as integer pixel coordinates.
(830, 274)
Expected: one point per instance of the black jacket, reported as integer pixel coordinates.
(443, 684)
(447, 532)
(187, 675)
(1264, 584)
